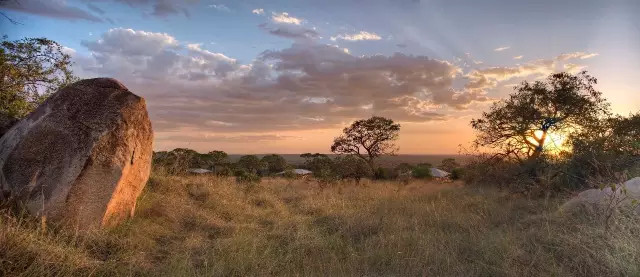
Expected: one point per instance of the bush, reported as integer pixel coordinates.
(246, 177)
(457, 173)
(422, 171)
(351, 167)
(383, 173)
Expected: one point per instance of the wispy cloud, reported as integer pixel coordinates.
(501, 48)
(576, 55)
(220, 7)
(284, 17)
(362, 35)
(518, 57)
(258, 11)
(54, 9)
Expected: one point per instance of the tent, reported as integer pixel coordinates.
(297, 171)
(438, 173)
(199, 170)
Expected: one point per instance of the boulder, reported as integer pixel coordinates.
(603, 198)
(81, 158)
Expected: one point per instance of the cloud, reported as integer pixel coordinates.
(362, 35)
(576, 55)
(129, 42)
(164, 8)
(284, 17)
(199, 136)
(220, 7)
(518, 57)
(153, 56)
(499, 49)
(487, 78)
(258, 11)
(54, 9)
(303, 87)
(290, 31)
(95, 8)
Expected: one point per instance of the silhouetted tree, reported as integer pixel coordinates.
(368, 139)
(518, 126)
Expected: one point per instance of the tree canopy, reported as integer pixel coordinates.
(251, 163)
(30, 70)
(518, 126)
(368, 139)
(274, 163)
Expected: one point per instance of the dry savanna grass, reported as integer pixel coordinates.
(210, 226)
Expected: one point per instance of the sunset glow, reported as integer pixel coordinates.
(287, 76)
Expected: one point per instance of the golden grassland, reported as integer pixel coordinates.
(210, 226)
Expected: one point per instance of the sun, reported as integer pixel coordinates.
(554, 142)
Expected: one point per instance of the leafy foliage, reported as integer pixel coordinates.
(30, 70)
(321, 165)
(352, 167)
(518, 126)
(449, 164)
(421, 171)
(368, 139)
(251, 163)
(274, 163)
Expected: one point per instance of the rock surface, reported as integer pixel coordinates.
(602, 198)
(82, 157)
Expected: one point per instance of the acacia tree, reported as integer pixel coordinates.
(518, 126)
(30, 70)
(368, 139)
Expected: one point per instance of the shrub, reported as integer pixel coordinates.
(457, 173)
(246, 177)
(421, 172)
(383, 173)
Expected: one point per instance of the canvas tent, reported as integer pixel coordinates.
(199, 170)
(438, 173)
(297, 171)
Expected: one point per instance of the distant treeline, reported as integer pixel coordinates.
(326, 168)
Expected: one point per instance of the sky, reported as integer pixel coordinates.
(287, 76)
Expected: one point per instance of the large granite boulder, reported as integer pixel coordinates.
(624, 196)
(82, 157)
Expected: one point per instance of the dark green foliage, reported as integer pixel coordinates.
(449, 164)
(517, 127)
(251, 163)
(605, 152)
(274, 163)
(176, 161)
(246, 177)
(179, 160)
(383, 173)
(30, 70)
(218, 157)
(321, 165)
(421, 171)
(368, 139)
(351, 167)
(457, 173)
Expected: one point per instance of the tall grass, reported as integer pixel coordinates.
(209, 226)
